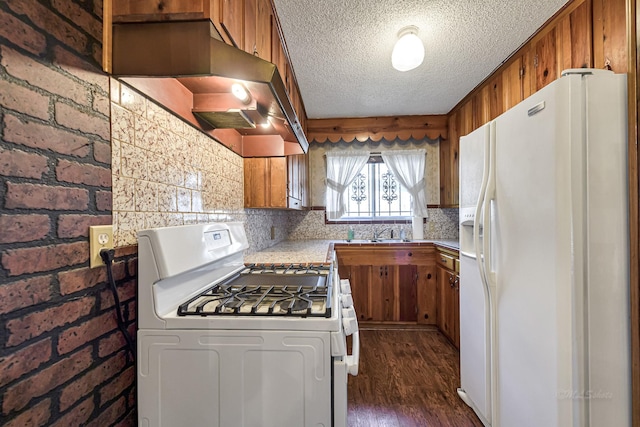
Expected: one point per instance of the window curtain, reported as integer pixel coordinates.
(342, 169)
(408, 168)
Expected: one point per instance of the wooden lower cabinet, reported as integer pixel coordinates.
(399, 287)
(448, 295)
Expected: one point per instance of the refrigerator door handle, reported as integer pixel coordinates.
(481, 200)
(490, 194)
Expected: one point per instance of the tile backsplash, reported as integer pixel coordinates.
(441, 224)
(166, 173)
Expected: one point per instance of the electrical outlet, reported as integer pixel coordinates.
(100, 237)
(273, 232)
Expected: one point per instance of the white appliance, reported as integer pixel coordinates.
(228, 345)
(544, 316)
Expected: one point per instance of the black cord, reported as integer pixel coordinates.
(107, 256)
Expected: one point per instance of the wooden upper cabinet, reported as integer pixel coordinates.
(263, 29)
(545, 59)
(250, 18)
(610, 35)
(265, 181)
(230, 19)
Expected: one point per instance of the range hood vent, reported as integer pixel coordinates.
(188, 68)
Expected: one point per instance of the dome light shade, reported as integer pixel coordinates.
(408, 52)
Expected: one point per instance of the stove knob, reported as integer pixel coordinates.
(345, 286)
(347, 301)
(349, 321)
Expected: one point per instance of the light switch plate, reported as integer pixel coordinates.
(100, 237)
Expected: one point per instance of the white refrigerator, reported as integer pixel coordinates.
(544, 307)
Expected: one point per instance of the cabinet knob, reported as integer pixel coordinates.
(429, 276)
(410, 253)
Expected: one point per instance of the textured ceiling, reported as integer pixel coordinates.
(341, 50)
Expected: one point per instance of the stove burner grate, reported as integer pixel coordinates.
(246, 299)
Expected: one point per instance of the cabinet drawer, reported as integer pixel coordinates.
(445, 260)
(456, 263)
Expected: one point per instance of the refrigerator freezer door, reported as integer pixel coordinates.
(474, 341)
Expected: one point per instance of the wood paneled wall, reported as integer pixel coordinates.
(585, 33)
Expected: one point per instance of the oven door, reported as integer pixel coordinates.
(345, 364)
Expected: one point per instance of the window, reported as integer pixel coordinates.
(376, 193)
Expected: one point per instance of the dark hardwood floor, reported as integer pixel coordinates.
(408, 378)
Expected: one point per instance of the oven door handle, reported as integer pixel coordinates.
(353, 360)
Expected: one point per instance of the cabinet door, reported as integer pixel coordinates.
(231, 20)
(455, 311)
(445, 302)
(359, 277)
(263, 29)
(265, 182)
(277, 186)
(426, 295)
(383, 301)
(250, 23)
(255, 182)
(544, 60)
(407, 293)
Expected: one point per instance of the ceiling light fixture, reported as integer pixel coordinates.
(408, 52)
(240, 92)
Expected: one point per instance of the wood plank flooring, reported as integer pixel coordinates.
(408, 378)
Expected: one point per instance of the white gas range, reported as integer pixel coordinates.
(229, 345)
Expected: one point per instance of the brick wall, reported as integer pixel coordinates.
(62, 359)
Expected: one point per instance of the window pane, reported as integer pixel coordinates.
(376, 193)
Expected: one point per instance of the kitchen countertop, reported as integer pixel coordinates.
(320, 251)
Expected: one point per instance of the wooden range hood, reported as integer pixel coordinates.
(187, 68)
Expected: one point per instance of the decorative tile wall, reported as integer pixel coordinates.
(167, 173)
(442, 224)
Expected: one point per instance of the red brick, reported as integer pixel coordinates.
(19, 395)
(25, 360)
(45, 19)
(97, 8)
(80, 17)
(36, 196)
(108, 415)
(44, 137)
(73, 338)
(37, 415)
(78, 67)
(75, 280)
(78, 225)
(44, 258)
(23, 228)
(117, 386)
(35, 324)
(78, 173)
(24, 293)
(104, 200)
(83, 278)
(128, 421)
(132, 267)
(42, 76)
(23, 100)
(102, 153)
(111, 344)
(77, 416)
(91, 380)
(21, 164)
(21, 34)
(73, 118)
(125, 293)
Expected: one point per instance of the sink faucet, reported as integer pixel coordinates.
(377, 234)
